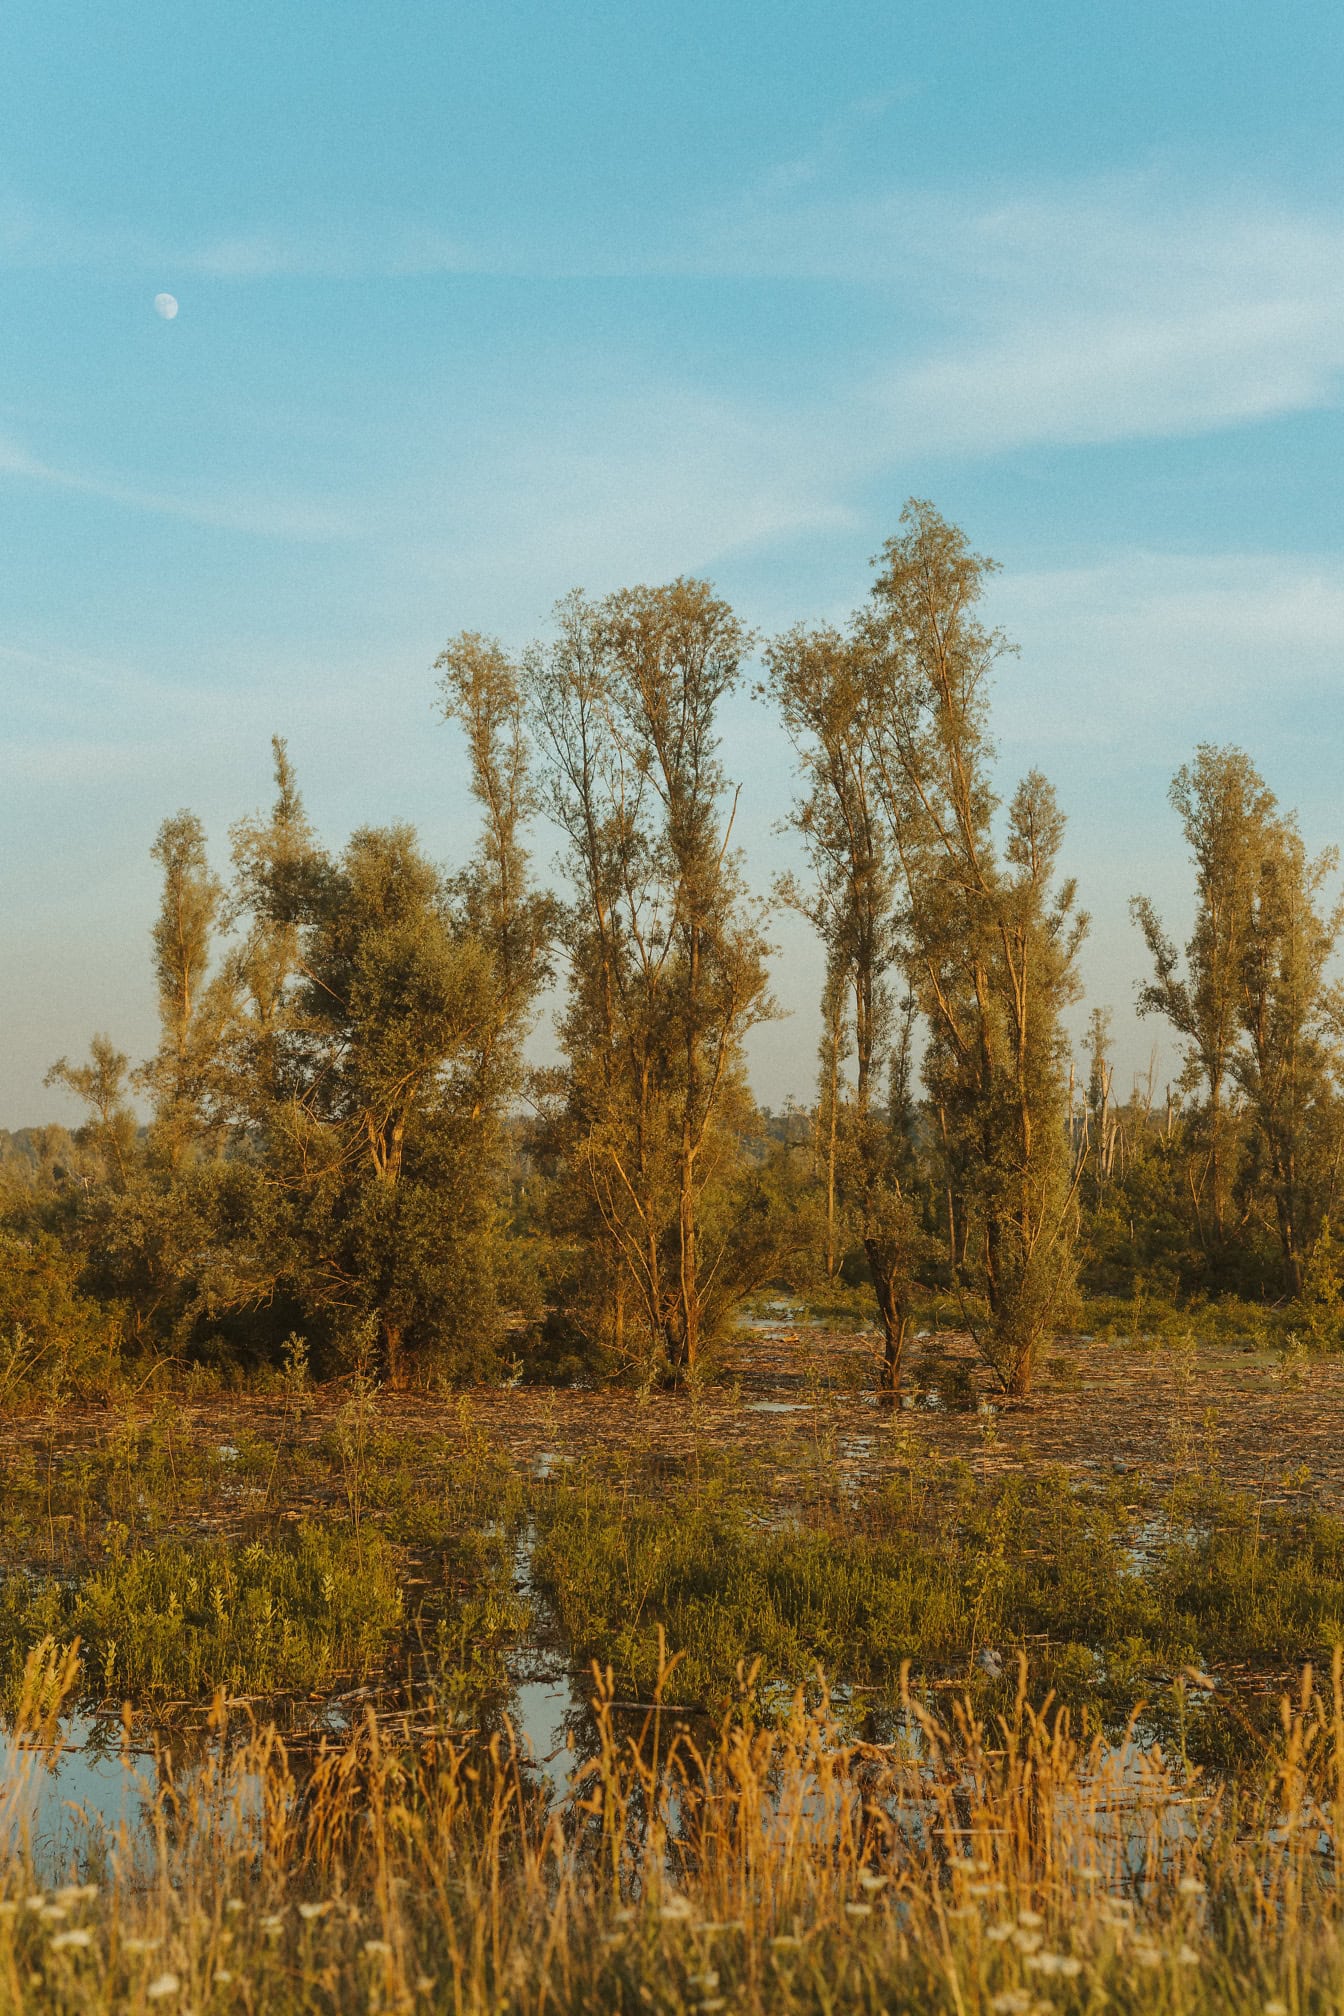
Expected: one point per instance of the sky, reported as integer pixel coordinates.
(478, 303)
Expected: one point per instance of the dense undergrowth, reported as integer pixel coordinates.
(875, 1807)
(300, 1563)
(177, 1619)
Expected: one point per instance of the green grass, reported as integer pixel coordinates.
(401, 1553)
(936, 1573)
(178, 1619)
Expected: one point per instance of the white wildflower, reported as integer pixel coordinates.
(998, 1933)
(71, 1942)
(1032, 1920)
(1062, 1964)
(870, 1881)
(1187, 1956)
(222, 1977)
(311, 1911)
(141, 1945)
(377, 1949)
(1027, 1942)
(1190, 1886)
(1012, 2002)
(859, 1910)
(675, 1911)
(162, 1986)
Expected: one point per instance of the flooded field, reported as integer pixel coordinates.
(536, 1699)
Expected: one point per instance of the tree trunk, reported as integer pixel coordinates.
(891, 1285)
(394, 1355)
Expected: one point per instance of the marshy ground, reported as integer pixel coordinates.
(761, 1696)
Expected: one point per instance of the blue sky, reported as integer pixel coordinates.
(478, 303)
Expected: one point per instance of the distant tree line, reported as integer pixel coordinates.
(347, 1160)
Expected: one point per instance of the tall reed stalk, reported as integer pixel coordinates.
(963, 1866)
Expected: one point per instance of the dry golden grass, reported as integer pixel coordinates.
(963, 1867)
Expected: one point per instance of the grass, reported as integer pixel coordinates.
(1112, 1598)
(979, 1867)
(262, 1567)
(178, 1619)
(938, 1834)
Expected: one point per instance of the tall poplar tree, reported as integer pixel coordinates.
(666, 962)
(195, 1007)
(1226, 812)
(817, 680)
(990, 938)
(1293, 1018)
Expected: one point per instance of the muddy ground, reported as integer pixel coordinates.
(798, 1402)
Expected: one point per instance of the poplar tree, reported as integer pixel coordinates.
(1292, 1016)
(817, 680)
(666, 961)
(990, 940)
(481, 690)
(1225, 812)
(103, 1086)
(182, 1077)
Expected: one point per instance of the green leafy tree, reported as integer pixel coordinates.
(666, 961)
(103, 1086)
(1291, 1014)
(195, 1006)
(1225, 811)
(817, 680)
(990, 939)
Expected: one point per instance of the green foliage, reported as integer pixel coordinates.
(1248, 1584)
(54, 1338)
(1106, 1596)
(856, 1598)
(1320, 1305)
(343, 1140)
(177, 1619)
(651, 1124)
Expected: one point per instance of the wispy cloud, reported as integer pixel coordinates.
(265, 518)
(1126, 308)
(1194, 647)
(1089, 312)
(367, 246)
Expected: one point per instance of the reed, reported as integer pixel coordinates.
(970, 1865)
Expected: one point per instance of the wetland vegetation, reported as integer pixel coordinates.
(486, 1538)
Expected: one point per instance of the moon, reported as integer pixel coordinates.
(166, 306)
